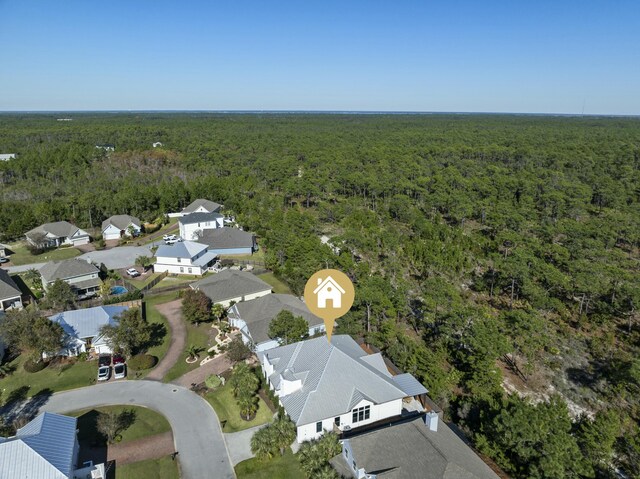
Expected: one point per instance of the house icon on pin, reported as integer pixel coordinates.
(328, 289)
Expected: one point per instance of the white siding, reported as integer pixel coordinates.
(188, 231)
(111, 233)
(170, 261)
(177, 268)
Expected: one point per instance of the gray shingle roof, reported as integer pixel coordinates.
(259, 312)
(86, 323)
(121, 222)
(199, 218)
(58, 229)
(8, 287)
(227, 238)
(42, 449)
(334, 378)
(66, 269)
(181, 249)
(229, 284)
(210, 206)
(409, 450)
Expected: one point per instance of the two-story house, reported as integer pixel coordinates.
(185, 257)
(52, 235)
(81, 275)
(193, 226)
(334, 386)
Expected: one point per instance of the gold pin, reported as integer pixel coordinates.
(329, 294)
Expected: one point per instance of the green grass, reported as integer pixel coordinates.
(277, 285)
(147, 422)
(21, 255)
(279, 467)
(226, 408)
(257, 256)
(195, 335)
(174, 280)
(154, 317)
(141, 282)
(54, 378)
(163, 468)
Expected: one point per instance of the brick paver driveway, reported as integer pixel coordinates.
(171, 311)
(198, 375)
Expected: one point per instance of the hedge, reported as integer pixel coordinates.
(140, 362)
(32, 366)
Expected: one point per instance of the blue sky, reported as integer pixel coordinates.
(543, 56)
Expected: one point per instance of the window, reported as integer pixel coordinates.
(179, 260)
(355, 468)
(336, 421)
(189, 270)
(181, 269)
(361, 414)
(319, 426)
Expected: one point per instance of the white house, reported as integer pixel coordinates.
(253, 318)
(83, 328)
(10, 294)
(325, 386)
(57, 234)
(328, 290)
(81, 275)
(185, 257)
(193, 225)
(117, 226)
(232, 286)
(7, 156)
(46, 448)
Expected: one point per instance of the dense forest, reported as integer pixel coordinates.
(495, 257)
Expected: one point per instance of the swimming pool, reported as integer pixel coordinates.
(118, 290)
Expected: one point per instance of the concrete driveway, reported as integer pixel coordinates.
(196, 430)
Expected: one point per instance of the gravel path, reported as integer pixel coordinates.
(150, 447)
(198, 375)
(173, 312)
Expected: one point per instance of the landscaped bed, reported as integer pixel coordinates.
(226, 407)
(199, 337)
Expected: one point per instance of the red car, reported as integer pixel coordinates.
(117, 359)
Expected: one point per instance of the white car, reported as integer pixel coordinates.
(104, 373)
(173, 240)
(168, 237)
(133, 272)
(120, 371)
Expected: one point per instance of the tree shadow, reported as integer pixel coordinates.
(158, 333)
(33, 405)
(93, 445)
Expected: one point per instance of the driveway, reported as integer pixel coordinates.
(178, 334)
(198, 375)
(196, 430)
(239, 444)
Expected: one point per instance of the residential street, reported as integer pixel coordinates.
(196, 430)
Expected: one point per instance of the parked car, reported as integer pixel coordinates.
(4, 260)
(133, 272)
(173, 240)
(104, 360)
(104, 373)
(169, 237)
(117, 359)
(120, 371)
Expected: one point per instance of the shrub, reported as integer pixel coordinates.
(237, 350)
(140, 362)
(31, 366)
(213, 381)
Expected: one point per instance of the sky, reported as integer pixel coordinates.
(543, 56)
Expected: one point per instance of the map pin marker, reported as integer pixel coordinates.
(329, 294)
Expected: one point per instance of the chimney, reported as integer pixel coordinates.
(431, 420)
(319, 281)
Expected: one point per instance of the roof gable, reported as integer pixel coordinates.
(181, 249)
(8, 287)
(121, 222)
(229, 284)
(69, 268)
(56, 229)
(210, 206)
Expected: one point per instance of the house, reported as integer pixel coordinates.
(328, 290)
(185, 257)
(46, 448)
(229, 241)
(232, 286)
(193, 225)
(422, 447)
(83, 328)
(10, 294)
(202, 206)
(7, 156)
(81, 275)
(253, 317)
(52, 235)
(334, 386)
(156, 144)
(117, 226)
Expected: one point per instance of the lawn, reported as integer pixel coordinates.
(226, 408)
(142, 281)
(154, 317)
(279, 467)
(21, 255)
(147, 422)
(174, 280)
(257, 256)
(163, 468)
(53, 378)
(198, 335)
(277, 285)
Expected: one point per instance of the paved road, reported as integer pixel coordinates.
(178, 334)
(196, 430)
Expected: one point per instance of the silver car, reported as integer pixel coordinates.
(120, 371)
(104, 373)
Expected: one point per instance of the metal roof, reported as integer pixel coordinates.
(8, 287)
(181, 249)
(229, 284)
(121, 222)
(86, 323)
(66, 269)
(42, 449)
(333, 375)
(410, 385)
(208, 205)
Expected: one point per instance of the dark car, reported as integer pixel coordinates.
(104, 360)
(117, 359)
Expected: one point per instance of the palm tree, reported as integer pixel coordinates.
(262, 444)
(33, 276)
(243, 381)
(218, 312)
(285, 433)
(325, 473)
(193, 351)
(248, 406)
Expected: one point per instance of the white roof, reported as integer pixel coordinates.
(86, 323)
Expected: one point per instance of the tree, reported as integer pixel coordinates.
(60, 295)
(243, 381)
(112, 423)
(33, 276)
(315, 455)
(248, 406)
(28, 331)
(284, 431)
(196, 306)
(237, 350)
(288, 328)
(106, 287)
(131, 335)
(193, 351)
(144, 261)
(218, 312)
(274, 438)
(263, 443)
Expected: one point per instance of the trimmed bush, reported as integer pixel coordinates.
(31, 366)
(140, 362)
(213, 381)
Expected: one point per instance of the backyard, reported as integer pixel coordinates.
(277, 285)
(226, 407)
(21, 255)
(278, 467)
